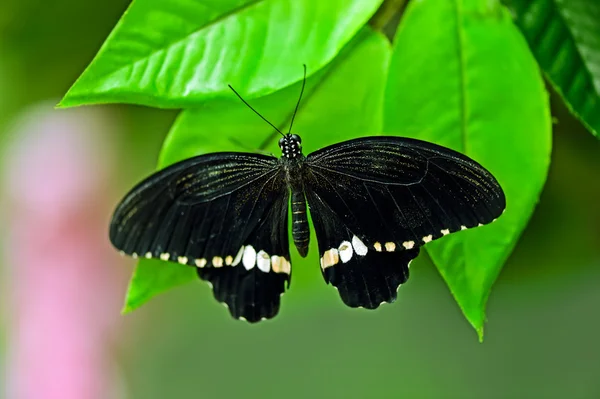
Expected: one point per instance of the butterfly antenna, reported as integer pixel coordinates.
(299, 98)
(255, 111)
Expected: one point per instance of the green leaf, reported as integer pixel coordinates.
(179, 53)
(564, 36)
(152, 277)
(462, 76)
(335, 106)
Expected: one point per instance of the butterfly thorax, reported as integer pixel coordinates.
(291, 146)
(292, 161)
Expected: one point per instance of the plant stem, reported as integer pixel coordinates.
(386, 12)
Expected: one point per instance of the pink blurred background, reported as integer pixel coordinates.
(65, 291)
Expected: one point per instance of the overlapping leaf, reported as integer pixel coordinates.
(336, 106)
(564, 36)
(179, 53)
(462, 76)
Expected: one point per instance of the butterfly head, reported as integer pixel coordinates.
(291, 146)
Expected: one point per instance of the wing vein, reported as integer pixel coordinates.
(367, 179)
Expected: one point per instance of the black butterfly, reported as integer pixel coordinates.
(374, 202)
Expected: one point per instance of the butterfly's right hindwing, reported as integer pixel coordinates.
(226, 215)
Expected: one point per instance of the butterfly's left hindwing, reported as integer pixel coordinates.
(226, 215)
(374, 201)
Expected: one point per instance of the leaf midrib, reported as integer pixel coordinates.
(463, 119)
(461, 76)
(220, 18)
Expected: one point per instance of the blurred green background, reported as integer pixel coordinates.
(542, 336)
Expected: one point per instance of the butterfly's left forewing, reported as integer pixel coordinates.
(226, 215)
(375, 201)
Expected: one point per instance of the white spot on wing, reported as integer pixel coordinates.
(287, 268)
(249, 257)
(217, 261)
(263, 262)
(377, 246)
(345, 251)
(463, 227)
(148, 255)
(445, 232)
(228, 260)
(182, 259)
(359, 247)
(408, 244)
(276, 262)
(164, 256)
(280, 265)
(238, 257)
(134, 255)
(330, 257)
(201, 262)
(390, 246)
(428, 238)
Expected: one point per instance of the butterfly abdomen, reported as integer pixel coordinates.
(300, 230)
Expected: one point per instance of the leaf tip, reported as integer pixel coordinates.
(66, 102)
(480, 334)
(126, 309)
(131, 303)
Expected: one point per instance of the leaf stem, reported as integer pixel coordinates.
(386, 12)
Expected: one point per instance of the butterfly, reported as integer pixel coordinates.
(374, 202)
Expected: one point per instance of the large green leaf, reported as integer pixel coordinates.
(178, 53)
(462, 76)
(335, 106)
(564, 36)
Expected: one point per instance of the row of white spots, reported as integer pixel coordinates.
(344, 252)
(346, 249)
(391, 246)
(388, 246)
(445, 232)
(249, 258)
(246, 255)
(263, 261)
